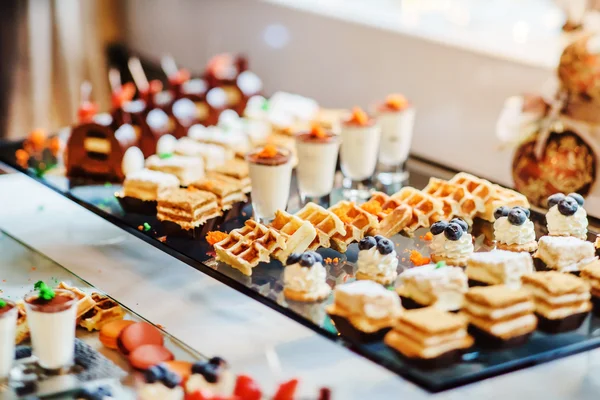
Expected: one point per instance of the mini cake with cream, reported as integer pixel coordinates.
(186, 169)
(160, 383)
(566, 216)
(513, 229)
(498, 267)
(377, 260)
(451, 243)
(435, 285)
(211, 377)
(364, 311)
(563, 254)
(304, 278)
(148, 185)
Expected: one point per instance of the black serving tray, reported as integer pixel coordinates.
(266, 286)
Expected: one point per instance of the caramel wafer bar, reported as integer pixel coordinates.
(357, 221)
(228, 191)
(237, 169)
(299, 234)
(188, 208)
(393, 216)
(105, 310)
(186, 169)
(213, 155)
(499, 267)
(148, 185)
(326, 223)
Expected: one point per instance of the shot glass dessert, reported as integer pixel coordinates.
(513, 230)
(566, 216)
(358, 153)
(51, 315)
(397, 118)
(270, 177)
(317, 157)
(8, 326)
(451, 242)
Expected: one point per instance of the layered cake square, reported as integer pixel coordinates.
(188, 208)
(500, 316)
(591, 274)
(228, 191)
(148, 185)
(564, 254)
(186, 169)
(237, 169)
(498, 267)
(212, 154)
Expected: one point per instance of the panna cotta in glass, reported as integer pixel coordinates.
(270, 176)
(8, 327)
(52, 325)
(317, 152)
(358, 153)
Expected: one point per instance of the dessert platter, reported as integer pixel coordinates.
(309, 211)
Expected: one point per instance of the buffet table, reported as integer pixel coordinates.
(214, 319)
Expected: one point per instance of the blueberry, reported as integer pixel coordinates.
(307, 259)
(501, 212)
(318, 257)
(154, 374)
(554, 199)
(199, 367)
(218, 362)
(379, 237)
(293, 258)
(23, 352)
(86, 394)
(453, 231)
(578, 198)
(462, 223)
(525, 210)
(171, 380)
(367, 242)
(438, 227)
(104, 391)
(517, 216)
(568, 206)
(210, 374)
(385, 246)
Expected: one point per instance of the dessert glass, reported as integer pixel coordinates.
(270, 170)
(8, 327)
(52, 326)
(317, 158)
(358, 154)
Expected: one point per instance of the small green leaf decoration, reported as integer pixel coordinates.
(2, 303)
(46, 292)
(147, 227)
(265, 105)
(440, 264)
(163, 156)
(107, 184)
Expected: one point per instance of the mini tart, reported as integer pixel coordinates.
(454, 262)
(308, 297)
(515, 236)
(305, 280)
(453, 250)
(377, 265)
(529, 247)
(591, 274)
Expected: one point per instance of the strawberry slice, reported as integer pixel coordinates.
(287, 390)
(246, 388)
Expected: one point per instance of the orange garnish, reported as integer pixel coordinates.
(140, 228)
(359, 117)
(37, 139)
(317, 131)
(418, 259)
(22, 157)
(427, 237)
(269, 151)
(396, 102)
(214, 237)
(372, 207)
(54, 145)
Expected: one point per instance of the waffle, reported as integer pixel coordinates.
(299, 234)
(458, 202)
(357, 221)
(481, 189)
(327, 223)
(393, 216)
(84, 301)
(22, 333)
(104, 311)
(249, 245)
(426, 208)
(503, 197)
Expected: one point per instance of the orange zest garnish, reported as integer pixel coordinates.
(396, 102)
(22, 158)
(426, 237)
(269, 151)
(330, 260)
(214, 237)
(418, 259)
(54, 145)
(372, 207)
(359, 117)
(37, 139)
(317, 131)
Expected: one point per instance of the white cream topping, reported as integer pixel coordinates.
(443, 287)
(556, 300)
(565, 253)
(499, 266)
(166, 144)
(222, 386)
(460, 248)
(158, 391)
(305, 279)
(505, 232)
(499, 313)
(563, 225)
(157, 177)
(133, 160)
(368, 298)
(502, 328)
(372, 263)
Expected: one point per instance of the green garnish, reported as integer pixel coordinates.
(440, 264)
(107, 184)
(265, 105)
(163, 156)
(40, 208)
(46, 292)
(2, 303)
(147, 227)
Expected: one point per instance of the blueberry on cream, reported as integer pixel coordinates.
(377, 260)
(451, 241)
(513, 230)
(211, 377)
(305, 277)
(566, 216)
(161, 384)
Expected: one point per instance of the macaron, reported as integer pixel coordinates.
(181, 368)
(138, 334)
(111, 331)
(148, 355)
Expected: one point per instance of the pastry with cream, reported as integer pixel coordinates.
(377, 260)
(186, 169)
(563, 254)
(364, 311)
(430, 338)
(562, 301)
(499, 316)
(305, 278)
(513, 229)
(160, 383)
(451, 243)
(148, 185)
(591, 274)
(211, 377)
(566, 216)
(435, 285)
(498, 267)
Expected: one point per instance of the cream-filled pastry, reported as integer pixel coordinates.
(564, 254)
(498, 267)
(305, 278)
(451, 242)
(566, 216)
(377, 260)
(513, 229)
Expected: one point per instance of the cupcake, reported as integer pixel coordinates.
(451, 242)
(591, 274)
(210, 377)
(435, 285)
(304, 278)
(364, 311)
(498, 267)
(563, 254)
(377, 260)
(160, 384)
(513, 230)
(566, 216)
(562, 301)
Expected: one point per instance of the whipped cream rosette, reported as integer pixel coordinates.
(305, 278)
(377, 260)
(566, 216)
(513, 229)
(451, 242)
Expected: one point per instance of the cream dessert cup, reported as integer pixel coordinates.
(52, 326)
(8, 327)
(358, 154)
(270, 176)
(317, 158)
